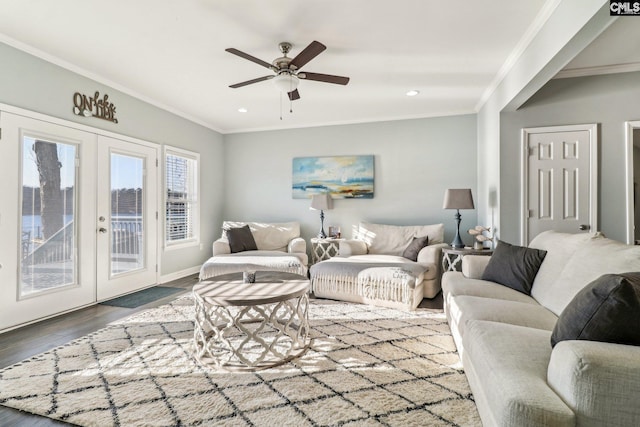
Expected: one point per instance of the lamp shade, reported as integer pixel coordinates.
(321, 202)
(458, 198)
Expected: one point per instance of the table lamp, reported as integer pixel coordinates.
(458, 198)
(322, 202)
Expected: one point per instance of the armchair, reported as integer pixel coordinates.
(279, 247)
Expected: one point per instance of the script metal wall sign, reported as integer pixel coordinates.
(94, 106)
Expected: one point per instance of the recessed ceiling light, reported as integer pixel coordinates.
(242, 110)
(413, 92)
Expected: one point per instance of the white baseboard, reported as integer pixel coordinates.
(179, 274)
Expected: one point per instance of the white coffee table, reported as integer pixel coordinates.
(249, 326)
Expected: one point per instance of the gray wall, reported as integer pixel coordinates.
(608, 100)
(415, 161)
(570, 27)
(36, 85)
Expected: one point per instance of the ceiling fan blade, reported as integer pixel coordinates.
(249, 57)
(294, 95)
(248, 82)
(327, 78)
(308, 53)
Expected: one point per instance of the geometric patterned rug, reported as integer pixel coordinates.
(367, 366)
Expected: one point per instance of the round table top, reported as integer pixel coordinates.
(269, 287)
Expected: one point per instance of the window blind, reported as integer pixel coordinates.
(181, 198)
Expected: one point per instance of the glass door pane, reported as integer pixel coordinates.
(127, 213)
(48, 243)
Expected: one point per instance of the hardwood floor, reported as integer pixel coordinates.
(30, 340)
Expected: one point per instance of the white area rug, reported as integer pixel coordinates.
(368, 366)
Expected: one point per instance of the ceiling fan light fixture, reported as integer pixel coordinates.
(412, 92)
(285, 82)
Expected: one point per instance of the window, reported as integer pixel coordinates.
(182, 221)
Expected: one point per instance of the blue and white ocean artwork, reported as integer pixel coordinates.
(344, 177)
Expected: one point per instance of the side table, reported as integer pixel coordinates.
(452, 258)
(322, 249)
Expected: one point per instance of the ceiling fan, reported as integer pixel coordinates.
(287, 70)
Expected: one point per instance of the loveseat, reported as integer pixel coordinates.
(256, 246)
(504, 338)
(385, 265)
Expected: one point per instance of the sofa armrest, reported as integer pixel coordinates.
(221, 246)
(473, 265)
(297, 245)
(352, 247)
(599, 381)
(431, 254)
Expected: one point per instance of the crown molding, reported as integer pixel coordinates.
(545, 13)
(599, 70)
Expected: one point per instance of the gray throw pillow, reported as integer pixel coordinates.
(514, 266)
(416, 245)
(241, 239)
(607, 310)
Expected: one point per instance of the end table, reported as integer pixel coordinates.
(322, 249)
(452, 258)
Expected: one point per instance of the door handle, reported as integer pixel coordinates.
(102, 230)
(584, 227)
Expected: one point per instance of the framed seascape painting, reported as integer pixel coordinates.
(344, 177)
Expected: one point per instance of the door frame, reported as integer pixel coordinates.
(629, 127)
(592, 128)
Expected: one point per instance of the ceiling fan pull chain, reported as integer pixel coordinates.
(280, 105)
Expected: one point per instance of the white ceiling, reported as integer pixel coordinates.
(172, 53)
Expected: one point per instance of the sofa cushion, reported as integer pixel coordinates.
(607, 309)
(560, 247)
(514, 266)
(596, 257)
(465, 308)
(411, 252)
(393, 239)
(507, 370)
(454, 283)
(241, 239)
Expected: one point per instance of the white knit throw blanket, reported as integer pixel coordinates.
(376, 281)
(239, 262)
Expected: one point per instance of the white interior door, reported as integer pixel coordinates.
(127, 213)
(559, 180)
(47, 254)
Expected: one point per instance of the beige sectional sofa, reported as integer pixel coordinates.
(503, 336)
(370, 268)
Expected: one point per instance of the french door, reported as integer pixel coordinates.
(58, 183)
(126, 217)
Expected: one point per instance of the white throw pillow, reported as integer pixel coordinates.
(595, 258)
(394, 239)
(560, 247)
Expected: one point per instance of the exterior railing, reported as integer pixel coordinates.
(126, 239)
(126, 235)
